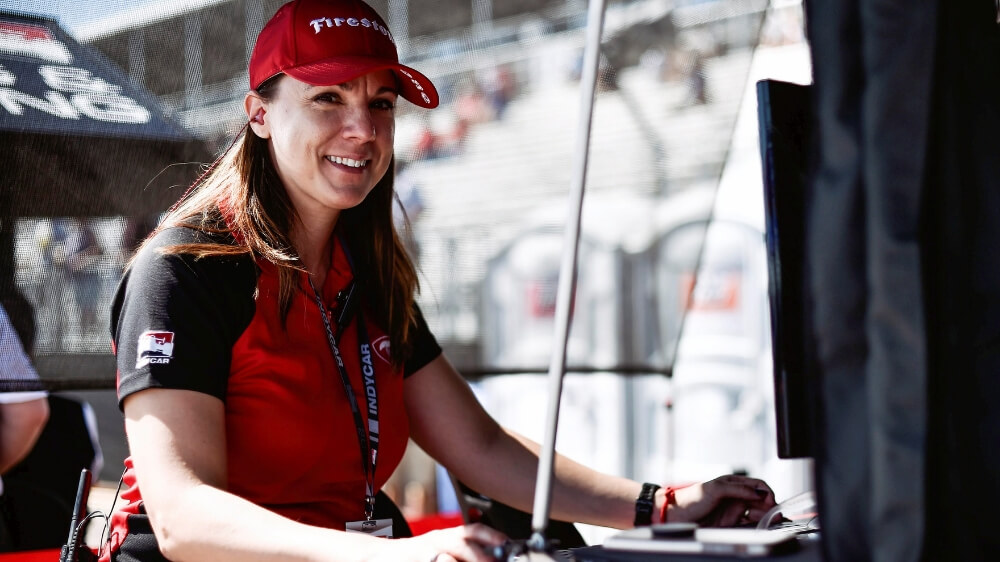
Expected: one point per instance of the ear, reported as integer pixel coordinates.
(255, 109)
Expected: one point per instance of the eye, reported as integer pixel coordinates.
(326, 97)
(384, 104)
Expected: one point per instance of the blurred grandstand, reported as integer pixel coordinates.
(479, 176)
(500, 146)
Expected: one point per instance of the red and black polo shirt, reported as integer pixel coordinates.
(213, 325)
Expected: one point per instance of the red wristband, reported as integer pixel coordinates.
(669, 499)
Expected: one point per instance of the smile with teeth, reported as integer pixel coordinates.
(348, 161)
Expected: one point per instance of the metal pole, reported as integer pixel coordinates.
(567, 277)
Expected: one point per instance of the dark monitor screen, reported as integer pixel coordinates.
(784, 118)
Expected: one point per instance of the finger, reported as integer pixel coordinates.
(735, 490)
(452, 545)
(731, 514)
(476, 543)
(483, 534)
(757, 484)
(726, 514)
(755, 514)
(765, 504)
(764, 492)
(469, 552)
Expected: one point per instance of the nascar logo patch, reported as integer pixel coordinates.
(154, 348)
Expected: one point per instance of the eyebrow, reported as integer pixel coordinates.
(347, 86)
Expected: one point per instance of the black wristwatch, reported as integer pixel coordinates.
(644, 505)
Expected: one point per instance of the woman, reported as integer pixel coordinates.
(272, 362)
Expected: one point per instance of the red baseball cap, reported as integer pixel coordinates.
(327, 42)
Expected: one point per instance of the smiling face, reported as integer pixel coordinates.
(330, 144)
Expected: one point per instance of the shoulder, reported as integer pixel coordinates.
(187, 251)
(169, 276)
(423, 344)
(187, 235)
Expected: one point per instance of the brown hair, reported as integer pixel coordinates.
(259, 215)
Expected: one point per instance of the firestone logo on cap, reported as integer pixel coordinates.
(313, 42)
(416, 84)
(319, 24)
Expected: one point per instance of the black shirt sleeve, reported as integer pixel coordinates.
(425, 347)
(175, 317)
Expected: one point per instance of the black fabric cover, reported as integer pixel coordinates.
(962, 279)
(37, 503)
(902, 239)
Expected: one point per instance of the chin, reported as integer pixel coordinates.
(348, 200)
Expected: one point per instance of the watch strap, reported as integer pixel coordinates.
(645, 504)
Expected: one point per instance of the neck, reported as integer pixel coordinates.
(313, 241)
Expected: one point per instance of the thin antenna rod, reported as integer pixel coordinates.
(567, 276)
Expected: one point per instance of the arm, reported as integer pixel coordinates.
(20, 425)
(504, 465)
(177, 441)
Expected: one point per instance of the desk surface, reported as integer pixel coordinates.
(809, 550)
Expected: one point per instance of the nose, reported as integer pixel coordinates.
(359, 125)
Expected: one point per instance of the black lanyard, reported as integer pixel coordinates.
(369, 441)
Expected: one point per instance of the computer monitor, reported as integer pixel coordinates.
(784, 120)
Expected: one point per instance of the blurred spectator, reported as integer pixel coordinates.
(50, 235)
(408, 207)
(783, 27)
(431, 145)
(655, 63)
(697, 81)
(470, 105)
(83, 252)
(44, 442)
(426, 147)
(453, 143)
(607, 76)
(414, 504)
(23, 413)
(498, 84)
(675, 66)
(51, 238)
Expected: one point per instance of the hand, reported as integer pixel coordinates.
(470, 543)
(724, 502)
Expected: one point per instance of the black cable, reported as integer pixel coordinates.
(107, 519)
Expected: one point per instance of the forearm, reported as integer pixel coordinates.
(502, 464)
(206, 523)
(508, 468)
